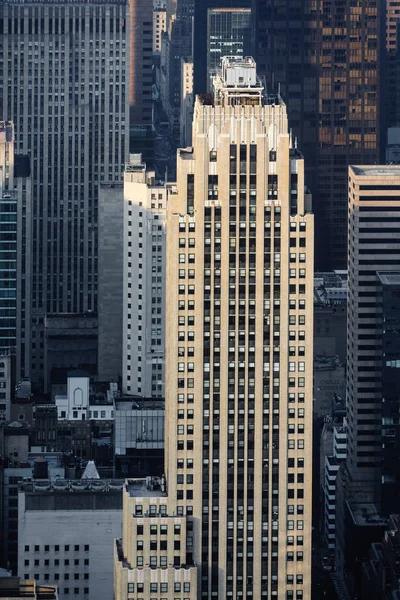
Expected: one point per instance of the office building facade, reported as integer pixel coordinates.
(143, 325)
(14, 231)
(141, 129)
(326, 58)
(228, 34)
(65, 534)
(239, 315)
(390, 478)
(200, 33)
(240, 261)
(373, 247)
(70, 115)
(177, 45)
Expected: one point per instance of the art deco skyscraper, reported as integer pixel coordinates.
(239, 348)
(63, 71)
(326, 57)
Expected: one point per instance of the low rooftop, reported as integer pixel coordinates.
(138, 403)
(389, 278)
(365, 514)
(376, 170)
(14, 587)
(58, 486)
(149, 487)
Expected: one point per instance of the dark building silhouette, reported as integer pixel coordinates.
(325, 56)
(390, 491)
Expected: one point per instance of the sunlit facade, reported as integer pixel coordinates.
(325, 56)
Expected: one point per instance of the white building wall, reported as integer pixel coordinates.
(89, 535)
(101, 412)
(159, 26)
(74, 406)
(144, 283)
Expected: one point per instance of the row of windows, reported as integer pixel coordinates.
(162, 587)
(191, 242)
(56, 562)
(155, 562)
(154, 545)
(300, 444)
(56, 548)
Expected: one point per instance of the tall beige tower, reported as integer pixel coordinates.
(239, 347)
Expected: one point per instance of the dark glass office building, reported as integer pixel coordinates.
(200, 36)
(325, 57)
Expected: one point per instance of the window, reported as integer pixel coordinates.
(139, 530)
(139, 561)
(299, 556)
(177, 586)
(163, 587)
(186, 587)
(300, 444)
(153, 587)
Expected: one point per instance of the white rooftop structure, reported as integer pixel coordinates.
(90, 471)
(238, 83)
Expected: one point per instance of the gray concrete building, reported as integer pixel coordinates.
(145, 203)
(66, 532)
(69, 101)
(110, 281)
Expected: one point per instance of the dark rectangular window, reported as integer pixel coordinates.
(190, 194)
(253, 159)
